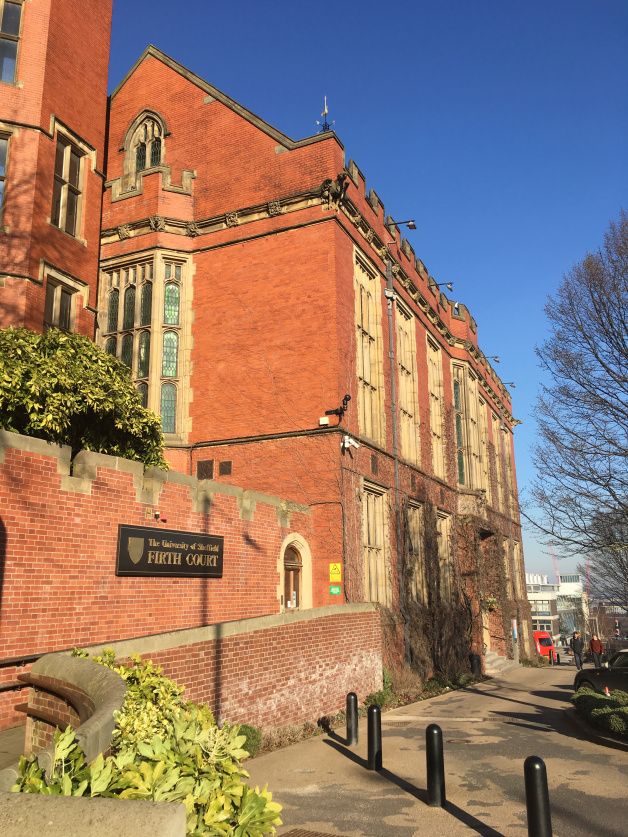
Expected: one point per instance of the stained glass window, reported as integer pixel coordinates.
(144, 355)
(126, 355)
(155, 152)
(140, 157)
(142, 390)
(170, 353)
(171, 304)
(459, 426)
(129, 307)
(168, 408)
(146, 303)
(112, 313)
(111, 346)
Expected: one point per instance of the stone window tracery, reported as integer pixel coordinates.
(142, 326)
(146, 146)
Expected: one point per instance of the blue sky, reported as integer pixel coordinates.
(500, 126)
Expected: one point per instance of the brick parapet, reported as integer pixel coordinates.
(59, 533)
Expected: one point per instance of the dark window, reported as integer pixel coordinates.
(140, 157)
(143, 393)
(4, 147)
(146, 303)
(205, 469)
(155, 152)
(58, 306)
(224, 468)
(126, 355)
(112, 310)
(9, 36)
(144, 355)
(66, 191)
(111, 346)
(129, 308)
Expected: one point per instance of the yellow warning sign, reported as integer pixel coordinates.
(335, 572)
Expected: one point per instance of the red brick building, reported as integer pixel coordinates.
(274, 316)
(54, 56)
(253, 285)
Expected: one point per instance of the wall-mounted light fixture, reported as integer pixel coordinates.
(448, 285)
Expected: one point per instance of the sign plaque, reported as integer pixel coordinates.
(334, 589)
(166, 552)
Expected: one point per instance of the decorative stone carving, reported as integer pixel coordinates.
(124, 231)
(192, 229)
(157, 223)
(274, 207)
(369, 235)
(395, 269)
(231, 219)
(357, 219)
(333, 191)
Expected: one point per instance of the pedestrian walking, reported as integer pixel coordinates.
(577, 646)
(597, 649)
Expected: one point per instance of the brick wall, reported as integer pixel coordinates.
(58, 539)
(274, 670)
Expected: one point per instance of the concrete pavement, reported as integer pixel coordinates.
(489, 730)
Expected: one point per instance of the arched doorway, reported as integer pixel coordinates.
(292, 572)
(294, 567)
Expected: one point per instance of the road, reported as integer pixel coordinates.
(489, 730)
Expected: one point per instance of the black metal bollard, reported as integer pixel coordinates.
(435, 766)
(374, 738)
(537, 798)
(352, 718)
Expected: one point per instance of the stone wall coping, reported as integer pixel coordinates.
(86, 464)
(59, 816)
(223, 630)
(104, 687)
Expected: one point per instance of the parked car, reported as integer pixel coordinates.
(545, 646)
(613, 674)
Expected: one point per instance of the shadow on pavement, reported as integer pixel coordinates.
(419, 793)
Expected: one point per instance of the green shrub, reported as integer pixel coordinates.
(384, 696)
(253, 739)
(63, 388)
(608, 712)
(163, 749)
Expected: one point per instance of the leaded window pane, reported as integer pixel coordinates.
(4, 144)
(171, 304)
(155, 152)
(168, 270)
(8, 54)
(126, 355)
(144, 355)
(112, 311)
(177, 271)
(129, 307)
(168, 408)
(71, 211)
(11, 18)
(65, 309)
(170, 354)
(146, 303)
(142, 390)
(140, 157)
(111, 346)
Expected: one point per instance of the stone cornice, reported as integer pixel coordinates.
(217, 223)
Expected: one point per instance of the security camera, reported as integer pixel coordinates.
(348, 442)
